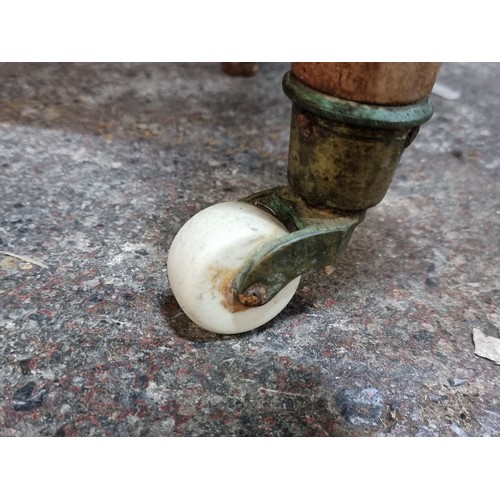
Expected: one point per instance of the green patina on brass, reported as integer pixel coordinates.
(318, 237)
(354, 113)
(342, 158)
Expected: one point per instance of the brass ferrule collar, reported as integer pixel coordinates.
(354, 113)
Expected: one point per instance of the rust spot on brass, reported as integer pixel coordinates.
(223, 279)
(304, 125)
(256, 295)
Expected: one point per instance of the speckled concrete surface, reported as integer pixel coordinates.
(100, 165)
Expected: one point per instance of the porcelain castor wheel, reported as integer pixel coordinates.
(204, 258)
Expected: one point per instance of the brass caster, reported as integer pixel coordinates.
(236, 265)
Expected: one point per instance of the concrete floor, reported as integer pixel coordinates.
(101, 164)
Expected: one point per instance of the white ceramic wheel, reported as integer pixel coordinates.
(204, 258)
